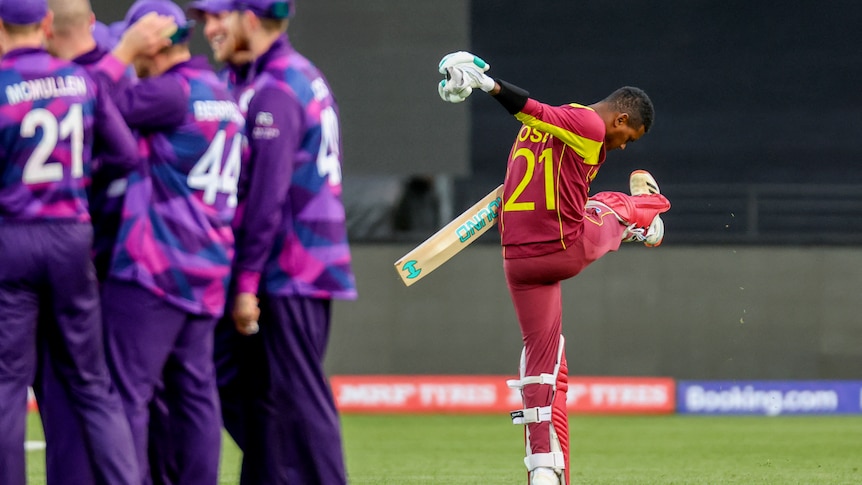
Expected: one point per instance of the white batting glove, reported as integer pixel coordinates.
(464, 72)
(452, 95)
(459, 59)
(472, 70)
(452, 89)
(472, 76)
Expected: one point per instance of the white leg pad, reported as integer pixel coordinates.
(531, 415)
(555, 458)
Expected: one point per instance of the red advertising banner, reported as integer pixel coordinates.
(484, 394)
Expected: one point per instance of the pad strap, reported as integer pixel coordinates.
(553, 460)
(519, 384)
(531, 415)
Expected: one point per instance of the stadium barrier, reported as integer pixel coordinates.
(769, 398)
(486, 394)
(593, 395)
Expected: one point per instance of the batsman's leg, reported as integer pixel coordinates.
(637, 210)
(544, 376)
(556, 459)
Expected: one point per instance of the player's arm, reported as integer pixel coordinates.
(273, 136)
(153, 104)
(113, 144)
(576, 126)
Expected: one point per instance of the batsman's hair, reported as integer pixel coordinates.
(636, 103)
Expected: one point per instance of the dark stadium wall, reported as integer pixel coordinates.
(745, 92)
(712, 312)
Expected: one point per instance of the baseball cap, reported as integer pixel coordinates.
(274, 9)
(161, 7)
(196, 8)
(23, 12)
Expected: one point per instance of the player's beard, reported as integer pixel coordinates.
(241, 43)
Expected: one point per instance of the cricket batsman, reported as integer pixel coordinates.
(551, 230)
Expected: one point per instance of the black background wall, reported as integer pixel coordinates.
(745, 92)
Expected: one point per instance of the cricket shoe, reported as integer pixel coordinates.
(651, 236)
(642, 183)
(544, 476)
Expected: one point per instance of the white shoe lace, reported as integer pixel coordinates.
(634, 233)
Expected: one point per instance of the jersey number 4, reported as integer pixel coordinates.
(209, 175)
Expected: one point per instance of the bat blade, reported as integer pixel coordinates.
(451, 239)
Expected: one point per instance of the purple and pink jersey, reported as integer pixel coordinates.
(175, 238)
(51, 115)
(290, 226)
(107, 187)
(556, 155)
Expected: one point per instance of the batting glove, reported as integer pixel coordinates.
(450, 93)
(461, 58)
(464, 72)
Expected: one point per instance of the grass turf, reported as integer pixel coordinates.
(640, 450)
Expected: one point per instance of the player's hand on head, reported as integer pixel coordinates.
(147, 36)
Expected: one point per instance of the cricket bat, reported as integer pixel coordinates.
(450, 240)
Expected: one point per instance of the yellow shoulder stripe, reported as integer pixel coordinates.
(586, 148)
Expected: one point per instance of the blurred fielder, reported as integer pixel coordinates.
(75, 35)
(166, 285)
(53, 114)
(230, 346)
(292, 254)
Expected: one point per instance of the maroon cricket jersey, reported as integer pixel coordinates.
(556, 155)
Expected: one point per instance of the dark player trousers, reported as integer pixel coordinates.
(161, 360)
(152, 343)
(46, 276)
(291, 427)
(66, 459)
(231, 349)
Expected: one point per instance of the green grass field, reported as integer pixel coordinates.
(455, 450)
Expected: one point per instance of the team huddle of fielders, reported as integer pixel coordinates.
(171, 240)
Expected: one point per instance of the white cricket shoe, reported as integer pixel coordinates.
(655, 233)
(642, 183)
(544, 476)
